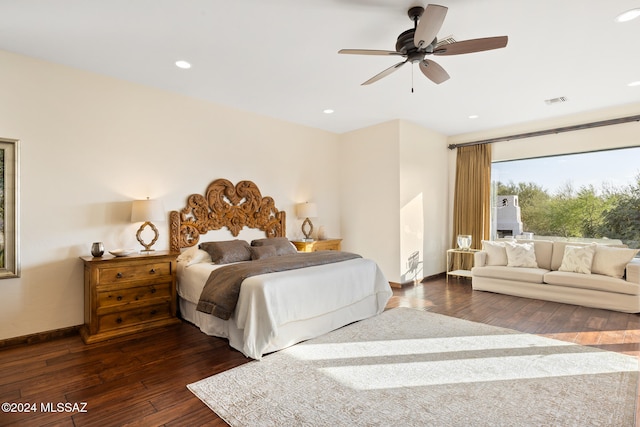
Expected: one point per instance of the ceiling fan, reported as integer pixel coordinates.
(418, 42)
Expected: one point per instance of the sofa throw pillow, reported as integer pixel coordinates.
(227, 251)
(578, 259)
(521, 255)
(612, 261)
(496, 252)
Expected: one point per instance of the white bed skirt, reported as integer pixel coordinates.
(288, 335)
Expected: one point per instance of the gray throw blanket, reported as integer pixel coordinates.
(220, 294)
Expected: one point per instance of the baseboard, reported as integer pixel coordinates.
(39, 337)
(434, 277)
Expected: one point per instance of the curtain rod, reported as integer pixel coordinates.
(549, 131)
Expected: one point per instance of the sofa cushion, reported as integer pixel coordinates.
(612, 261)
(496, 252)
(524, 274)
(521, 255)
(558, 252)
(578, 259)
(591, 281)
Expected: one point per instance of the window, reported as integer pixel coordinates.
(588, 196)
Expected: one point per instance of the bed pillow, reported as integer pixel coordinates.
(496, 252)
(227, 251)
(194, 255)
(521, 255)
(282, 244)
(612, 261)
(262, 252)
(578, 259)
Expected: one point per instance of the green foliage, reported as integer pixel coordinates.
(612, 213)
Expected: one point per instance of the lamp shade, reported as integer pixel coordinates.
(147, 210)
(306, 210)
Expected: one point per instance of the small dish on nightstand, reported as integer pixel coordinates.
(122, 252)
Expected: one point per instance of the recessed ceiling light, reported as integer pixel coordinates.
(628, 15)
(328, 111)
(632, 84)
(183, 64)
(474, 116)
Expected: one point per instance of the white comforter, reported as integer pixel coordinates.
(276, 310)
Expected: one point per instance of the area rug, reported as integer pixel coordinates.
(414, 368)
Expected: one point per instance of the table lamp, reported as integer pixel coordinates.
(146, 211)
(306, 210)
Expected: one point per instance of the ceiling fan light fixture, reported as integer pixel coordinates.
(328, 111)
(628, 15)
(634, 84)
(473, 116)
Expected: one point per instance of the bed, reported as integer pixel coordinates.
(273, 310)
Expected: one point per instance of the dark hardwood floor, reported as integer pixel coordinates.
(142, 380)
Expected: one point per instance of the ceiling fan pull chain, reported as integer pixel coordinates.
(412, 67)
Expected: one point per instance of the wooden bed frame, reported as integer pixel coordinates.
(225, 205)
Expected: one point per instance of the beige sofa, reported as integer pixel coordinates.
(562, 272)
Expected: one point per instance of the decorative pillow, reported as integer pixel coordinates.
(612, 261)
(261, 252)
(194, 255)
(496, 252)
(227, 251)
(520, 255)
(282, 244)
(578, 259)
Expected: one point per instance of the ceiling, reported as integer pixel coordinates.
(279, 58)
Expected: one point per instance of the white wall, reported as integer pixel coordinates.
(91, 144)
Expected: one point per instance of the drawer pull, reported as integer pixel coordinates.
(119, 297)
(152, 271)
(119, 320)
(119, 275)
(153, 312)
(153, 290)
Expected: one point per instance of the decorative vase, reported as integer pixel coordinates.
(321, 233)
(97, 249)
(464, 241)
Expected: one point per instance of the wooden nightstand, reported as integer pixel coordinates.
(318, 245)
(125, 295)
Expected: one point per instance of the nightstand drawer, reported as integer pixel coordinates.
(133, 295)
(129, 318)
(134, 272)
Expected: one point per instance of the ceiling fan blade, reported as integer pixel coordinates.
(473, 45)
(385, 73)
(368, 52)
(429, 25)
(433, 71)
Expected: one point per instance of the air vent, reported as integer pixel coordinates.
(556, 100)
(445, 40)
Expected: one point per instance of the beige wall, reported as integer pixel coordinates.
(394, 196)
(369, 183)
(91, 144)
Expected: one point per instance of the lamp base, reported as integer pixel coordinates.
(307, 234)
(147, 246)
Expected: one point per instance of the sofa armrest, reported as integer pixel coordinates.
(480, 259)
(633, 271)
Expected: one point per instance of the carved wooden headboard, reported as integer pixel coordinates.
(225, 205)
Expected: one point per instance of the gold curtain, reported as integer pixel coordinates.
(472, 198)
